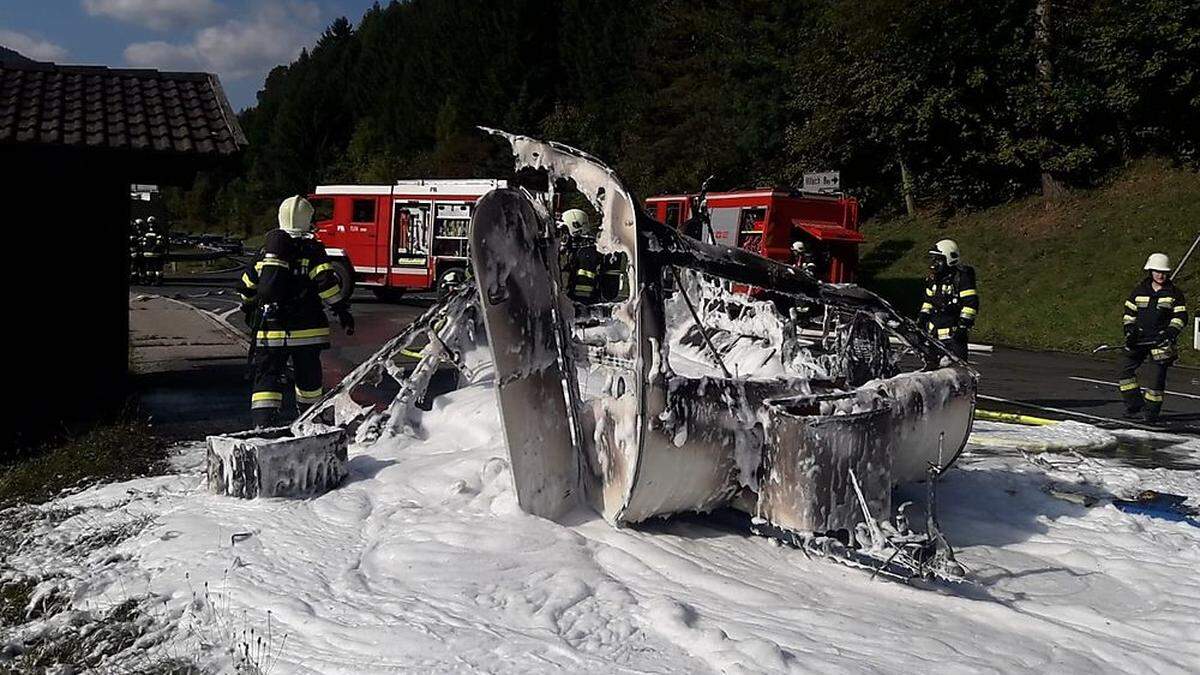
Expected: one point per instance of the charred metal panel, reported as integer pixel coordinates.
(932, 412)
(274, 463)
(518, 294)
(613, 427)
(810, 456)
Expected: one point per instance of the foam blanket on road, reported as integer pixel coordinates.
(1059, 437)
(423, 561)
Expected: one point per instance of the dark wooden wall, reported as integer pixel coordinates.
(66, 219)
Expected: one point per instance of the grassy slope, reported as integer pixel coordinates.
(1053, 277)
(111, 451)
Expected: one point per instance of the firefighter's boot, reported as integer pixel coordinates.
(264, 418)
(1153, 405)
(265, 406)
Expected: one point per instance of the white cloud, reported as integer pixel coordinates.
(274, 33)
(164, 56)
(32, 47)
(155, 14)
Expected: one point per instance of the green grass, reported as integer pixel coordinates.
(1053, 277)
(112, 451)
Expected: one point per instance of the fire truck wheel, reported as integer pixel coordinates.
(342, 269)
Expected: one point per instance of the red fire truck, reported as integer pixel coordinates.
(394, 238)
(768, 221)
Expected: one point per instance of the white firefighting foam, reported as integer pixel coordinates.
(422, 561)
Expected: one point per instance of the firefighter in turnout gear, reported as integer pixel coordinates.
(951, 301)
(1155, 314)
(801, 260)
(284, 291)
(137, 268)
(581, 261)
(154, 248)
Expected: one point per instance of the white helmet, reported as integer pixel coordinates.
(295, 216)
(947, 250)
(1158, 262)
(577, 221)
(797, 247)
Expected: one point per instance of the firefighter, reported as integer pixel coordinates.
(581, 260)
(801, 260)
(951, 299)
(1155, 314)
(451, 279)
(136, 262)
(283, 291)
(154, 246)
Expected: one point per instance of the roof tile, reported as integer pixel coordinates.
(97, 107)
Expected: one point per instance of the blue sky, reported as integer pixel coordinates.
(239, 40)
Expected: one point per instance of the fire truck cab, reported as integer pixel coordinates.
(769, 221)
(393, 238)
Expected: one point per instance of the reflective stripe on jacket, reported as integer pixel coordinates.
(1155, 314)
(294, 277)
(951, 301)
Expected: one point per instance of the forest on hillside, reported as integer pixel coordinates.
(930, 104)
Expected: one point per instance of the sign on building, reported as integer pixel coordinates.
(826, 181)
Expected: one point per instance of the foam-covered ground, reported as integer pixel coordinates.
(423, 562)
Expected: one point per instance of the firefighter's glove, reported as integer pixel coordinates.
(1131, 340)
(345, 318)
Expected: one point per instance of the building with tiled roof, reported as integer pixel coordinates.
(135, 110)
(72, 141)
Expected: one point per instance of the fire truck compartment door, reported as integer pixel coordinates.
(724, 221)
(410, 238)
(829, 232)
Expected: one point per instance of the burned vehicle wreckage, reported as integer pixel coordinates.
(717, 380)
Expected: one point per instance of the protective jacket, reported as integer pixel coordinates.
(951, 302)
(284, 287)
(153, 245)
(582, 268)
(1155, 315)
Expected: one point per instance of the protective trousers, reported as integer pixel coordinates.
(957, 344)
(1149, 400)
(270, 370)
(154, 269)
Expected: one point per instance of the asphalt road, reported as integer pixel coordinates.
(1070, 386)
(218, 401)
(1044, 384)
